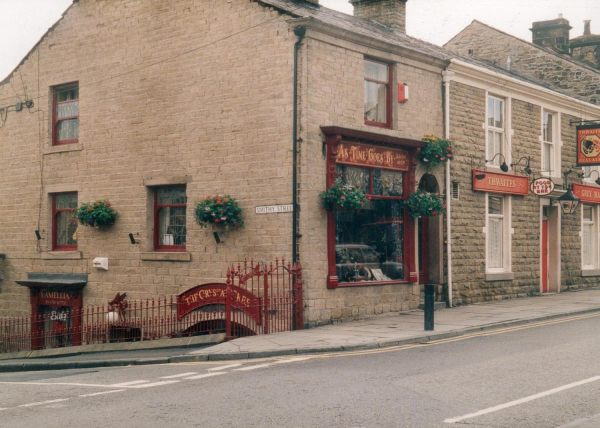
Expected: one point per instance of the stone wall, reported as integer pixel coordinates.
(560, 72)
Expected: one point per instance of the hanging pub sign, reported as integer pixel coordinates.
(542, 186)
(588, 145)
(587, 193)
(492, 182)
(378, 157)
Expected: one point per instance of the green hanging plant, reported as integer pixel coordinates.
(96, 214)
(438, 151)
(343, 196)
(422, 203)
(218, 210)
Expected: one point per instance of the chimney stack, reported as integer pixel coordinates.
(552, 34)
(586, 28)
(391, 13)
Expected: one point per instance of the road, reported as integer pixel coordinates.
(545, 375)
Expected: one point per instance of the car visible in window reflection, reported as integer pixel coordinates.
(359, 262)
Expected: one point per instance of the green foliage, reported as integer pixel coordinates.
(343, 196)
(425, 204)
(438, 151)
(219, 210)
(96, 214)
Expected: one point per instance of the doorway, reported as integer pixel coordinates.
(550, 263)
(544, 252)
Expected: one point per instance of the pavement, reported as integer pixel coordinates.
(378, 331)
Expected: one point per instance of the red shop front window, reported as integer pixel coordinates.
(374, 245)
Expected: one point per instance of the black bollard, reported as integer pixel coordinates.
(429, 294)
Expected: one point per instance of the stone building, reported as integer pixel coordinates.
(154, 105)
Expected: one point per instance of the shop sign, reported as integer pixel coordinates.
(587, 193)
(371, 156)
(274, 209)
(55, 298)
(588, 145)
(216, 294)
(500, 183)
(542, 186)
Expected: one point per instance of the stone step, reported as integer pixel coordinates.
(436, 306)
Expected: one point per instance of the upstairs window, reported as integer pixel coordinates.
(377, 102)
(550, 144)
(170, 205)
(66, 114)
(64, 222)
(495, 129)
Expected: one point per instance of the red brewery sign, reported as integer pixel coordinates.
(587, 193)
(542, 186)
(501, 183)
(216, 294)
(379, 157)
(588, 145)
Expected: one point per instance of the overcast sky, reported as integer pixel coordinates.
(23, 22)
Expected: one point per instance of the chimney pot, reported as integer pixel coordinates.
(391, 13)
(586, 27)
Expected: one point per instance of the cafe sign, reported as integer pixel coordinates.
(493, 182)
(587, 193)
(542, 186)
(588, 145)
(371, 156)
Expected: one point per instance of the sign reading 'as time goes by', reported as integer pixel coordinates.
(588, 145)
(500, 183)
(587, 193)
(378, 157)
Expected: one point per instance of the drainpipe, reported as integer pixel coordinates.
(299, 32)
(447, 78)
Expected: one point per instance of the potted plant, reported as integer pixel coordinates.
(422, 203)
(341, 196)
(96, 214)
(438, 151)
(218, 210)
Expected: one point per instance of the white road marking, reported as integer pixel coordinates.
(260, 366)
(161, 383)
(202, 376)
(90, 385)
(292, 360)
(216, 369)
(135, 382)
(101, 393)
(41, 403)
(179, 375)
(521, 400)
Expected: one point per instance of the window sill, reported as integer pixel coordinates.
(368, 283)
(62, 255)
(590, 272)
(63, 148)
(167, 257)
(501, 276)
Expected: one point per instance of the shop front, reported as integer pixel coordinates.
(56, 309)
(375, 244)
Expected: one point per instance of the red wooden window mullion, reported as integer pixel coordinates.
(55, 212)
(157, 209)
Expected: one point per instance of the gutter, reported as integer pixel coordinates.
(447, 75)
(299, 32)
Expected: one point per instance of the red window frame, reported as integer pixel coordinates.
(388, 95)
(56, 121)
(334, 136)
(157, 208)
(55, 211)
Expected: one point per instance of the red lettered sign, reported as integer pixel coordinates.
(542, 186)
(588, 145)
(56, 298)
(500, 183)
(216, 294)
(378, 157)
(587, 193)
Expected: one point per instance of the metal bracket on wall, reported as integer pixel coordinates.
(584, 122)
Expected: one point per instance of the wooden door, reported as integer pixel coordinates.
(544, 256)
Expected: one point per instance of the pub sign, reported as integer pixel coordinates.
(588, 145)
(500, 183)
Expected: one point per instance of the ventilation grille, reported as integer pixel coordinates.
(455, 190)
